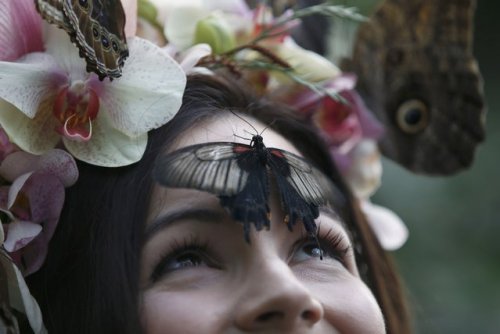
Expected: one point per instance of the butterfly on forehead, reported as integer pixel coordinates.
(96, 27)
(417, 73)
(240, 175)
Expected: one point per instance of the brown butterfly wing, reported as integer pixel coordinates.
(52, 12)
(98, 31)
(417, 73)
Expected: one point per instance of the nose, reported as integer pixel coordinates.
(277, 301)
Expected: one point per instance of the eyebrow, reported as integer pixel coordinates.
(201, 214)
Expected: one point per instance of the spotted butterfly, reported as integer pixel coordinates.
(239, 175)
(96, 27)
(417, 72)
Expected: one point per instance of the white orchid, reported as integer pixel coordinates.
(46, 96)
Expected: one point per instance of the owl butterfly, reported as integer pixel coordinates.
(239, 175)
(96, 27)
(417, 73)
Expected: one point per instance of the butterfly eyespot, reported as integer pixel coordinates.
(83, 3)
(95, 32)
(412, 116)
(114, 45)
(105, 42)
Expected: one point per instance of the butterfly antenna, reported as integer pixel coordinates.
(244, 120)
(267, 127)
(241, 137)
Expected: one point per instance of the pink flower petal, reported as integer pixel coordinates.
(20, 29)
(19, 234)
(130, 8)
(61, 164)
(17, 164)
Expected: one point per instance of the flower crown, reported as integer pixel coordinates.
(53, 110)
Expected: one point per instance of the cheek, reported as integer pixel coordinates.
(350, 306)
(166, 312)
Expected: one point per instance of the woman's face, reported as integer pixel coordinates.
(198, 275)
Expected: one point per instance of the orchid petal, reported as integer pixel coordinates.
(65, 54)
(56, 161)
(239, 7)
(35, 135)
(61, 164)
(181, 23)
(306, 64)
(390, 230)
(365, 173)
(130, 8)
(20, 29)
(19, 234)
(45, 193)
(15, 188)
(17, 164)
(108, 147)
(148, 94)
(20, 297)
(216, 31)
(29, 81)
(192, 56)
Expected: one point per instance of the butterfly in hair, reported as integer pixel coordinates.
(97, 29)
(417, 73)
(240, 175)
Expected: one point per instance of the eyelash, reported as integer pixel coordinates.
(330, 244)
(188, 245)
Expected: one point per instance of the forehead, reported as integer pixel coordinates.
(228, 127)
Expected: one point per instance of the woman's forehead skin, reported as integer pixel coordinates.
(227, 127)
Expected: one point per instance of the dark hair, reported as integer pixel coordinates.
(90, 281)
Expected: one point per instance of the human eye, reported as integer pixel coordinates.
(326, 246)
(187, 254)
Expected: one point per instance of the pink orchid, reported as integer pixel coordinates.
(48, 96)
(33, 202)
(19, 23)
(344, 124)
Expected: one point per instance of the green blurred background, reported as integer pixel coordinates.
(451, 262)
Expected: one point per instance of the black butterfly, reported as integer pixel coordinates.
(239, 175)
(96, 27)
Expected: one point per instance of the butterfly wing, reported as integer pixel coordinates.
(302, 188)
(209, 167)
(98, 31)
(417, 73)
(230, 170)
(52, 12)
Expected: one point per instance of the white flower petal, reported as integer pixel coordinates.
(192, 56)
(20, 297)
(365, 174)
(35, 135)
(308, 65)
(66, 54)
(108, 147)
(390, 230)
(28, 82)
(181, 23)
(148, 94)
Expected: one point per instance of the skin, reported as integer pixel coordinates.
(275, 284)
